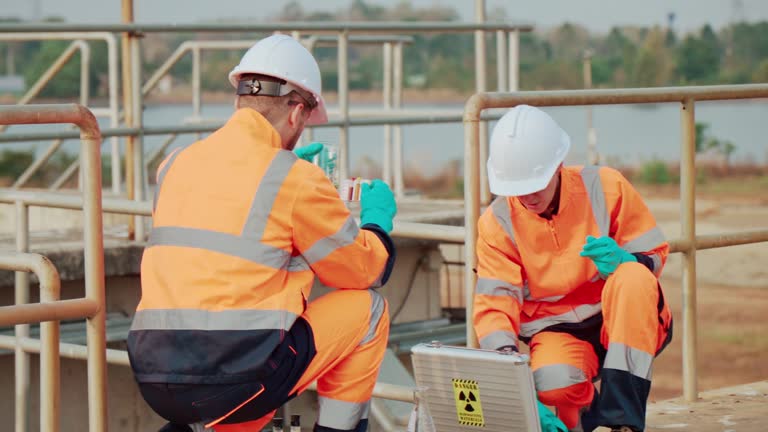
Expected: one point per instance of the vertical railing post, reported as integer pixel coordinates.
(688, 231)
(502, 77)
(386, 164)
(90, 157)
(138, 148)
(85, 60)
(21, 357)
(592, 156)
(472, 164)
(343, 94)
(514, 60)
(397, 131)
(127, 40)
(114, 113)
(50, 364)
(480, 87)
(196, 82)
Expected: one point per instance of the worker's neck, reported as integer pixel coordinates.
(554, 206)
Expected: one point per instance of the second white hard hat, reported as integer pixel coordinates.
(526, 148)
(283, 57)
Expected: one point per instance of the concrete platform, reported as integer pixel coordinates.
(742, 408)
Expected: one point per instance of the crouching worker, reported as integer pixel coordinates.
(568, 261)
(242, 225)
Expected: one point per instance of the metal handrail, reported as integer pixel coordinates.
(302, 26)
(412, 119)
(688, 244)
(50, 289)
(78, 37)
(92, 307)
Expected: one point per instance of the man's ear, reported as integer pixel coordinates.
(296, 116)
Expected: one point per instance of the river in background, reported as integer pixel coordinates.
(626, 134)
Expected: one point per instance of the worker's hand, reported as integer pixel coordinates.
(308, 151)
(606, 254)
(377, 205)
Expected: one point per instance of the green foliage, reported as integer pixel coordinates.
(14, 162)
(706, 142)
(698, 59)
(549, 59)
(655, 172)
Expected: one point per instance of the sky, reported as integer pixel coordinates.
(596, 15)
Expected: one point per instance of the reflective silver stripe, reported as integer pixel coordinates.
(557, 376)
(529, 297)
(656, 262)
(377, 310)
(197, 319)
(246, 248)
(577, 315)
(499, 288)
(377, 283)
(342, 415)
(501, 210)
(498, 339)
(628, 359)
(647, 241)
(163, 171)
(325, 246)
(265, 196)
(591, 177)
(297, 264)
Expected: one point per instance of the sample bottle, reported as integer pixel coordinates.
(277, 424)
(295, 423)
(329, 163)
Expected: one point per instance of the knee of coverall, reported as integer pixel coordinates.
(633, 284)
(576, 395)
(568, 401)
(636, 275)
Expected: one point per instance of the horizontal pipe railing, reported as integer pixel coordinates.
(120, 357)
(414, 119)
(415, 230)
(315, 27)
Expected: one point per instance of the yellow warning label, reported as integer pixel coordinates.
(468, 407)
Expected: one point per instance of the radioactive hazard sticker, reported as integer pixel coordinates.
(468, 407)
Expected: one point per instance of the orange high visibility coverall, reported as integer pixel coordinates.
(533, 285)
(223, 334)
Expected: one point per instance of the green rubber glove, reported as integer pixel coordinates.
(549, 421)
(308, 151)
(606, 254)
(377, 205)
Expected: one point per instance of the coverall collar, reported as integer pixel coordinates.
(256, 125)
(566, 187)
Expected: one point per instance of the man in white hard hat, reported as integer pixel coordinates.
(242, 226)
(568, 261)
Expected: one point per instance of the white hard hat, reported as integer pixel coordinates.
(285, 58)
(526, 148)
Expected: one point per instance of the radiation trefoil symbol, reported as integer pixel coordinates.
(468, 399)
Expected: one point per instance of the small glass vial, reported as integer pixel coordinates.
(295, 423)
(277, 424)
(329, 162)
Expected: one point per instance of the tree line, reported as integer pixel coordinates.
(549, 59)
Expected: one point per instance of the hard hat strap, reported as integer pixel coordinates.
(259, 87)
(263, 87)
